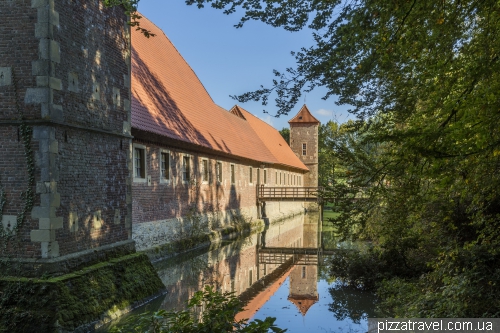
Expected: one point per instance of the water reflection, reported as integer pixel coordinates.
(280, 272)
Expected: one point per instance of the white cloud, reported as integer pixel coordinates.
(268, 119)
(324, 112)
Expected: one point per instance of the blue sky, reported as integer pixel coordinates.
(231, 61)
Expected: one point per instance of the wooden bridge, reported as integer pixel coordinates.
(297, 256)
(310, 194)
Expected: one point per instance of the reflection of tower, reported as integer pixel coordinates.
(303, 278)
(304, 143)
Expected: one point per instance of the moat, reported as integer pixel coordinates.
(273, 276)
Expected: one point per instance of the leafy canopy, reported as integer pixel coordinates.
(419, 172)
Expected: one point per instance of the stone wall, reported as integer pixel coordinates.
(301, 133)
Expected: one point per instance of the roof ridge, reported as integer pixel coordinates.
(256, 117)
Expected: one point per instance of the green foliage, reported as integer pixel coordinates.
(130, 7)
(285, 133)
(217, 315)
(418, 174)
(326, 157)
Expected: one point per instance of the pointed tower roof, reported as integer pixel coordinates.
(304, 116)
(303, 303)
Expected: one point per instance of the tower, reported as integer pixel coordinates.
(65, 163)
(65, 95)
(304, 143)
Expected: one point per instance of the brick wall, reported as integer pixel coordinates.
(71, 60)
(160, 207)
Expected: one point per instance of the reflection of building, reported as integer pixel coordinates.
(303, 278)
(235, 268)
(303, 287)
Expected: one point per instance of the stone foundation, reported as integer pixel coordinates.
(150, 236)
(36, 268)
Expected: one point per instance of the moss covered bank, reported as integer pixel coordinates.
(70, 302)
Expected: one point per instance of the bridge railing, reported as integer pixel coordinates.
(287, 193)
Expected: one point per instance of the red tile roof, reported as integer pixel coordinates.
(260, 299)
(169, 99)
(304, 116)
(303, 303)
(272, 139)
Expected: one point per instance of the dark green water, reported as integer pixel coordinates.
(294, 288)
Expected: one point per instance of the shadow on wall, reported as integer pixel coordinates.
(163, 114)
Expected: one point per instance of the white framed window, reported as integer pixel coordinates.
(186, 168)
(218, 171)
(276, 178)
(140, 172)
(205, 170)
(233, 176)
(250, 178)
(164, 166)
(304, 149)
(280, 177)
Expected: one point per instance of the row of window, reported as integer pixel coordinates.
(282, 178)
(288, 179)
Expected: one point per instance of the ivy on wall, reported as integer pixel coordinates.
(28, 195)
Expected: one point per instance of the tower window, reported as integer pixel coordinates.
(233, 180)
(304, 149)
(251, 175)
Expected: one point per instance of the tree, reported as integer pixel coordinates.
(216, 312)
(285, 133)
(326, 158)
(419, 172)
(421, 166)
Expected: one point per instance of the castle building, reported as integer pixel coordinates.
(191, 154)
(109, 143)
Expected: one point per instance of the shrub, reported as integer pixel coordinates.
(218, 311)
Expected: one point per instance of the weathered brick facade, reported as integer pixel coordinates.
(65, 65)
(160, 206)
(71, 64)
